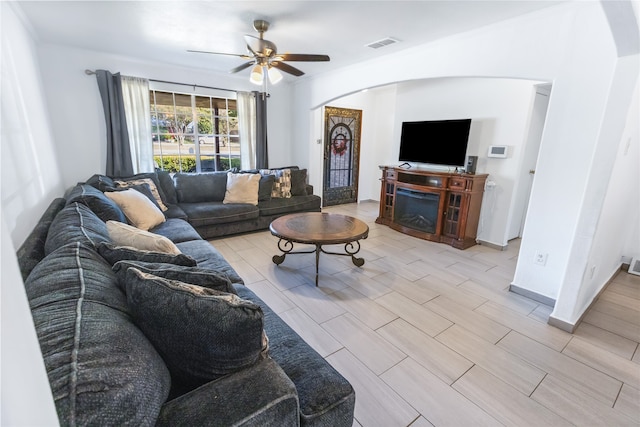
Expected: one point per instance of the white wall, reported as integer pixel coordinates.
(30, 170)
(76, 110)
(30, 179)
(499, 109)
(618, 217)
(570, 45)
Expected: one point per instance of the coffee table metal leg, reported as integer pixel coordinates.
(286, 248)
(318, 249)
(350, 249)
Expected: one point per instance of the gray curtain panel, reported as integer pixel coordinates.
(262, 155)
(119, 161)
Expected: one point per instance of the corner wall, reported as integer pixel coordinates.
(30, 179)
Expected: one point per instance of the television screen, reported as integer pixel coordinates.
(436, 142)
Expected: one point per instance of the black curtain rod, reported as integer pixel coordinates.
(91, 72)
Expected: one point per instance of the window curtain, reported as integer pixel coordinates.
(135, 94)
(262, 155)
(247, 129)
(118, 150)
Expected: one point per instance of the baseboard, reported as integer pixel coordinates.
(532, 295)
(561, 324)
(570, 327)
(492, 245)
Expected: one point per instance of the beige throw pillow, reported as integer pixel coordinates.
(125, 235)
(139, 210)
(242, 188)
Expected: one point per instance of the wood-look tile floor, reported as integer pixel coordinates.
(429, 335)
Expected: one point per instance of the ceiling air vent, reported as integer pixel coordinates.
(382, 43)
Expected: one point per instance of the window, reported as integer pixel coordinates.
(194, 132)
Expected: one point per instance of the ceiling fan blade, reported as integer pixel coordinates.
(287, 68)
(303, 57)
(241, 67)
(243, 56)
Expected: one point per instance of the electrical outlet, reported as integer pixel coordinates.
(540, 258)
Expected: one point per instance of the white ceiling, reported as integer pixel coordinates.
(162, 31)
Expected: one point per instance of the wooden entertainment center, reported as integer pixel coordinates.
(437, 206)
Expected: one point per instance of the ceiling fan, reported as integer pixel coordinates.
(263, 55)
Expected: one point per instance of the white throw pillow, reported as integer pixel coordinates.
(125, 235)
(242, 188)
(139, 210)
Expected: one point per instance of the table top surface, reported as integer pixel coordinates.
(319, 228)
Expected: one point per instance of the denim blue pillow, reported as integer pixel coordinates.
(95, 200)
(202, 334)
(101, 368)
(113, 254)
(204, 277)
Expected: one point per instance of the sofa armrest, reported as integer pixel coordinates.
(259, 395)
(309, 189)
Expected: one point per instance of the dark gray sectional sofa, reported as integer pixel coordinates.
(198, 198)
(125, 344)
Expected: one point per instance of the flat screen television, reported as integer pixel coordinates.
(436, 142)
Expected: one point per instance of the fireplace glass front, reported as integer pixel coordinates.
(417, 210)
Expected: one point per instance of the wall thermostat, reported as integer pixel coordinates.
(499, 151)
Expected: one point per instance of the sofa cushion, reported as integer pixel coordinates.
(125, 235)
(270, 400)
(105, 208)
(176, 230)
(101, 367)
(280, 206)
(326, 397)
(202, 334)
(282, 183)
(113, 254)
(75, 223)
(204, 277)
(139, 210)
(298, 182)
(242, 188)
(207, 256)
(200, 187)
(218, 213)
(175, 211)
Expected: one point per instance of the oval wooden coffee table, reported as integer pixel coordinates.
(318, 229)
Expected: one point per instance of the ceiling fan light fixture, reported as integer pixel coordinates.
(257, 75)
(274, 75)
